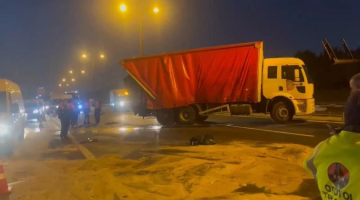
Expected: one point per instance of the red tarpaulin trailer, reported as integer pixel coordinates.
(211, 75)
(187, 86)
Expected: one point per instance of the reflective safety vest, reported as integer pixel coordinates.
(335, 165)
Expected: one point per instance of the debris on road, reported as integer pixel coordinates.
(89, 140)
(206, 139)
(111, 123)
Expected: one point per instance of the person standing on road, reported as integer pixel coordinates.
(97, 112)
(76, 113)
(87, 113)
(335, 162)
(64, 114)
(72, 114)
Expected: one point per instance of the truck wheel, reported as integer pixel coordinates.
(200, 118)
(281, 113)
(186, 115)
(165, 117)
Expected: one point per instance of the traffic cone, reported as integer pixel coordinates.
(4, 188)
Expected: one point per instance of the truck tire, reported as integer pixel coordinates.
(200, 118)
(186, 115)
(281, 113)
(165, 117)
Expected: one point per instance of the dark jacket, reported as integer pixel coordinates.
(352, 111)
(97, 111)
(64, 113)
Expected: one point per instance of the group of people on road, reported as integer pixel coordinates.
(68, 113)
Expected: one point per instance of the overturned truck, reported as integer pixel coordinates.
(186, 87)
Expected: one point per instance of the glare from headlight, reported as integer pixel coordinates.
(80, 106)
(122, 103)
(36, 111)
(47, 107)
(3, 129)
(57, 106)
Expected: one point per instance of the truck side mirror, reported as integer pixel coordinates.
(297, 75)
(14, 108)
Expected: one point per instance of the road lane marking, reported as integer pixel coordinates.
(88, 155)
(272, 131)
(266, 117)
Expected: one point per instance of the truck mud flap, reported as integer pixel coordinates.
(137, 97)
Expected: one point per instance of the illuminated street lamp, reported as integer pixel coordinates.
(67, 85)
(122, 7)
(73, 80)
(59, 85)
(101, 56)
(70, 71)
(64, 80)
(155, 10)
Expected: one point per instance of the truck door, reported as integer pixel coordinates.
(292, 81)
(270, 80)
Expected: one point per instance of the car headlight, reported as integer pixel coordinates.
(3, 129)
(80, 106)
(122, 103)
(47, 107)
(36, 111)
(57, 106)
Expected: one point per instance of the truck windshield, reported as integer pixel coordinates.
(3, 106)
(307, 74)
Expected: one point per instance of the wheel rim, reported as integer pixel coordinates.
(185, 115)
(283, 113)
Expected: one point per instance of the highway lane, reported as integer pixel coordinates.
(127, 135)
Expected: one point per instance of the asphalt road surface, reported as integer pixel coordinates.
(133, 137)
(128, 135)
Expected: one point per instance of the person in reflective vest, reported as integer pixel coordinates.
(335, 162)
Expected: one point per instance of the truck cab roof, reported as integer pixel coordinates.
(282, 61)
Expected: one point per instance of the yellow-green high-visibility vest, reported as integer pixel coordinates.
(335, 165)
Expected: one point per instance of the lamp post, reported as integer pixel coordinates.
(123, 8)
(84, 56)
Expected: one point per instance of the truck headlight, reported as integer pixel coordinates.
(122, 103)
(36, 111)
(3, 129)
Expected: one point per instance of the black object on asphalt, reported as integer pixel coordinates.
(206, 139)
(89, 140)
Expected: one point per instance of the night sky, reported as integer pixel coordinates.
(40, 40)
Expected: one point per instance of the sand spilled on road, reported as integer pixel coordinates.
(236, 171)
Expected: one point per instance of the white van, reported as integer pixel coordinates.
(12, 116)
(54, 102)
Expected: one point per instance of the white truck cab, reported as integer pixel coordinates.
(287, 80)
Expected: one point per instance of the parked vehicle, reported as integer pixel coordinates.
(54, 102)
(12, 116)
(119, 99)
(186, 87)
(33, 110)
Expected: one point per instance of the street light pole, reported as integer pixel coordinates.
(141, 35)
(123, 8)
